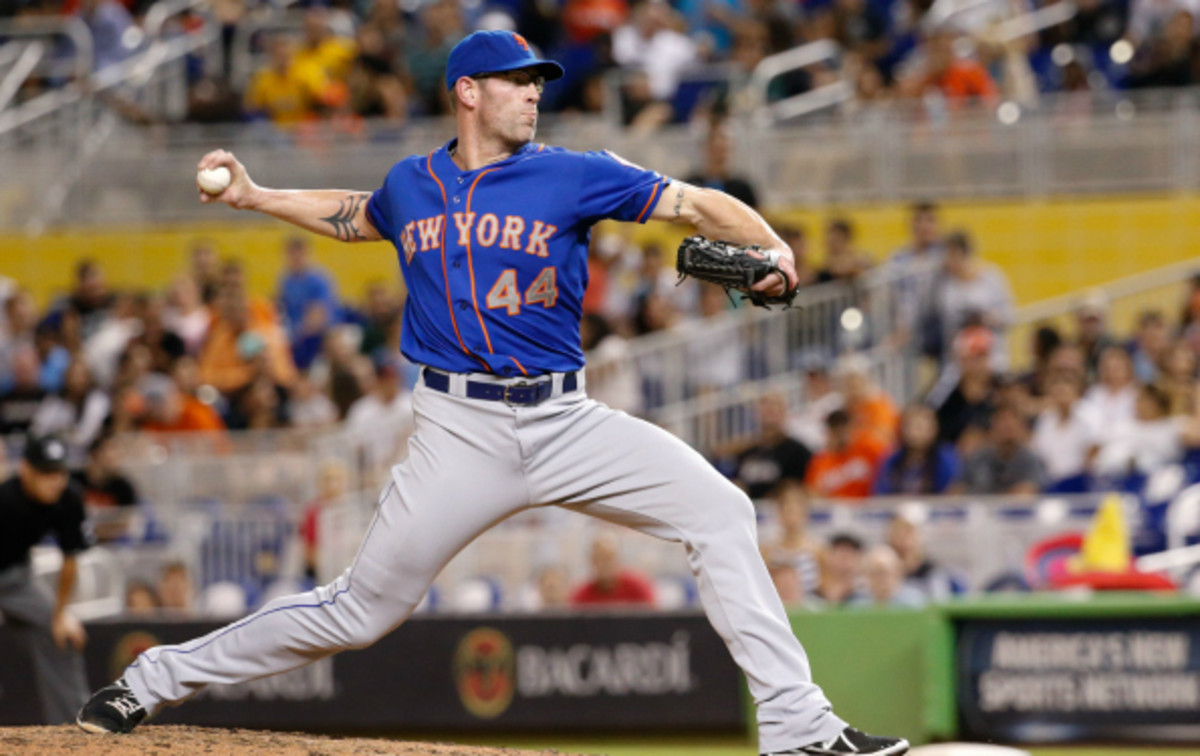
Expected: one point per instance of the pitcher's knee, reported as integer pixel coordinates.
(362, 628)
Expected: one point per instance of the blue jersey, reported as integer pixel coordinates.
(495, 259)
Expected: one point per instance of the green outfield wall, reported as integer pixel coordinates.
(900, 671)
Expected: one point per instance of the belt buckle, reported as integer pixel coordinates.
(509, 387)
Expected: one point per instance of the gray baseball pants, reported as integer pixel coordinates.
(28, 608)
(471, 464)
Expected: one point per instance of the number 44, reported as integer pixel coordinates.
(505, 294)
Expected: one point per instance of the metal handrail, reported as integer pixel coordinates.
(803, 56)
(24, 65)
(65, 26)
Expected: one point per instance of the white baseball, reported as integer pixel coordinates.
(214, 180)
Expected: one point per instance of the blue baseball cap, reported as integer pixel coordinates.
(491, 51)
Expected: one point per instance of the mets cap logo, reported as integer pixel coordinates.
(521, 41)
(485, 672)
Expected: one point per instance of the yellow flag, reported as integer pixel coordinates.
(1106, 545)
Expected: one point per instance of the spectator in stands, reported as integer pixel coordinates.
(841, 566)
(612, 584)
(797, 241)
(119, 327)
(21, 399)
(971, 286)
(612, 374)
(872, 411)
(1092, 330)
(279, 91)
(205, 268)
(186, 314)
(1065, 435)
(1005, 464)
(651, 44)
(171, 410)
(140, 600)
(332, 484)
(376, 89)
(308, 407)
(938, 70)
(656, 277)
(775, 458)
(377, 316)
(238, 341)
(17, 323)
(304, 286)
(428, 48)
(847, 467)
(165, 345)
(970, 400)
(1178, 378)
(175, 590)
(921, 463)
(114, 35)
(886, 586)
(842, 261)
(109, 496)
(1149, 346)
(714, 353)
(53, 356)
(382, 419)
(717, 173)
(1043, 343)
(261, 405)
(78, 413)
(1168, 58)
(794, 548)
(786, 579)
(921, 573)
(330, 56)
(1135, 447)
(1112, 400)
(914, 270)
(553, 589)
(806, 422)
(346, 373)
(90, 298)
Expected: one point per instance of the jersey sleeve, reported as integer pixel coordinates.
(379, 210)
(611, 187)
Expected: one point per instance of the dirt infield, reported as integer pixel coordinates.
(177, 740)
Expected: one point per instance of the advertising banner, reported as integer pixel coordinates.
(1057, 680)
(638, 672)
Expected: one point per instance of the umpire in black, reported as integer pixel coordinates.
(38, 500)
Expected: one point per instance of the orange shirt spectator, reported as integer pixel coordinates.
(964, 80)
(847, 466)
(237, 342)
(875, 416)
(193, 415)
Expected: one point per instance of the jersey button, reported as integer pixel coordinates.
(462, 305)
(457, 264)
(456, 200)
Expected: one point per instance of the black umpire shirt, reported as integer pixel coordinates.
(25, 522)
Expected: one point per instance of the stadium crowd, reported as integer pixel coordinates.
(349, 60)
(1096, 410)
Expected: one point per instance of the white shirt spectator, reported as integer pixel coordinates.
(663, 56)
(381, 427)
(1141, 446)
(987, 292)
(1064, 443)
(1147, 17)
(79, 426)
(1110, 409)
(806, 423)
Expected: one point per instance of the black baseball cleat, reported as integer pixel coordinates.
(111, 710)
(851, 741)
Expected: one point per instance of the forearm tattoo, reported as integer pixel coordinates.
(678, 202)
(344, 221)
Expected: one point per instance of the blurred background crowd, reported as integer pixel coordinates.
(112, 370)
(654, 62)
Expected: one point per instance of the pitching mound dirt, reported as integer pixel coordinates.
(175, 740)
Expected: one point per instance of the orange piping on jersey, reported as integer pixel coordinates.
(445, 275)
(471, 265)
(657, 188)
(519, 365)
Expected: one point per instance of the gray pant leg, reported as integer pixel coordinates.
(628, 471)
(456, 482)
(61, 681)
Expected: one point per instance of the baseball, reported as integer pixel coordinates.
(214, 180)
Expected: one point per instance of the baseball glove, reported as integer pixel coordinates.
(732, 267)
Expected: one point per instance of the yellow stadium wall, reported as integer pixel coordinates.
(1047, 247)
